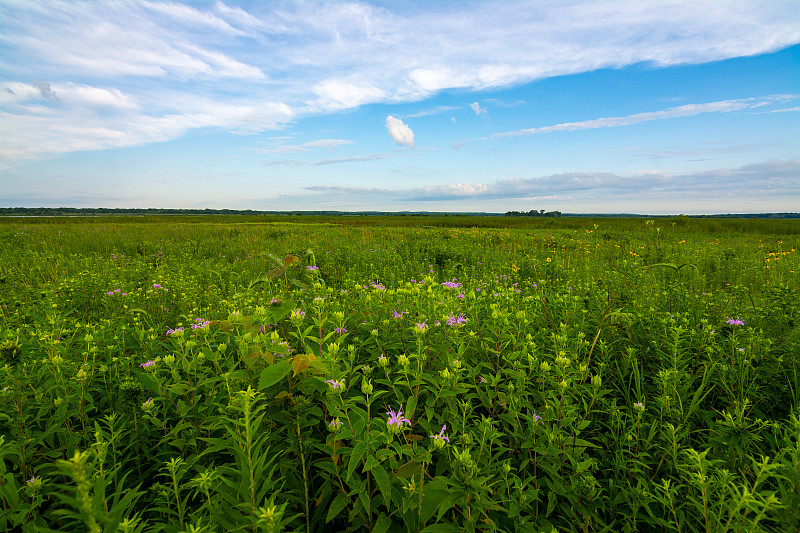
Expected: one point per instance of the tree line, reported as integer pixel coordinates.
(533, 213)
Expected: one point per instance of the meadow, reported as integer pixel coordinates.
(434, 374)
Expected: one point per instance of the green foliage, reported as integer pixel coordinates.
(563, 375)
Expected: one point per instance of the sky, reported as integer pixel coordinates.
(602, 106)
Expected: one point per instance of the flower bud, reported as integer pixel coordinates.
(366, 386)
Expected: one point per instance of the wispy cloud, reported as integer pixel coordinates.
(280, 148)
(770, 179)
(433, 111)
(359, 158)
(785, 110)
(476, 107)
(260, 65)
(688, 110)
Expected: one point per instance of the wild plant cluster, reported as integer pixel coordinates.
(284, 377)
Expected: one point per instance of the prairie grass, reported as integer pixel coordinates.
(399, 374)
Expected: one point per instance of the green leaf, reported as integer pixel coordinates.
(273, 374)
(552, 500)
(356, 455)
(280, 310)
(382, 524)
(409, 469)
(411, 406)
(451, 499)
(150, 383)
(339, 503)
(431, 499)
(380, 475)
(440, 528)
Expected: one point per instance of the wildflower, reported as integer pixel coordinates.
(148, 364)
(312, 268)
(340, 330)
(201, 324)
(335, 384)
(148, 405)
(174, 332)
(639, 406)
(537, 418)
(482, 379)
(422, 327)
(456, 320)
(110, 293)
(383, 360)
(395, 314)
(451, 284)
(335, 424)
(460, 295)
(735, 322)
(403, 360)
(378, 286)
(298, 313)
(396, 421)
(439, 440)
(156, 285)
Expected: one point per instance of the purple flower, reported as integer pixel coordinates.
(482, 379)
(312, 268)
(439, 440)
(110, 293)
(174, 331)
(735, 322)
(157, 286)
(378, 286)
(201, 324)
(460, 295)
(396, 420)
(422, 326)
(148, 364)
(340, 330)
(456, 320)
(335, 384)
(537, 419)
(451, 284)
(395, 314)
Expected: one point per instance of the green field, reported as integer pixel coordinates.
(223, 374)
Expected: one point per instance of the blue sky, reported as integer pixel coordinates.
(606, 106)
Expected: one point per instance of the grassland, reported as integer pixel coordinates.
(247, 373)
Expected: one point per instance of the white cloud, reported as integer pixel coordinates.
(320, 56)
(688, 110)
(400, 132)
(476, 107)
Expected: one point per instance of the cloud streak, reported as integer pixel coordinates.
(688, 110)
(769, 178)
